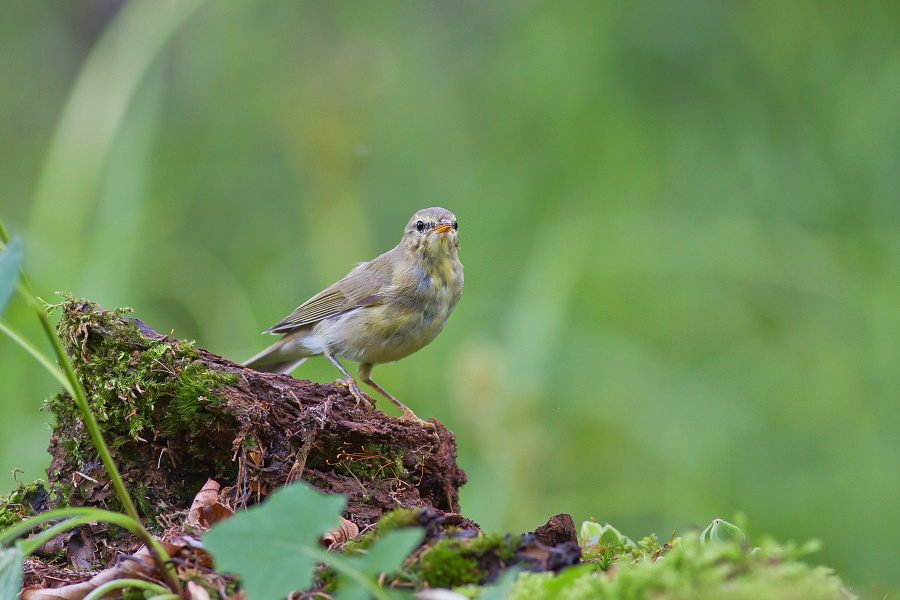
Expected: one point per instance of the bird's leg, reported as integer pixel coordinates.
(364, 371)
(350, 383)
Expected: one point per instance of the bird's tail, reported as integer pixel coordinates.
(276, 359)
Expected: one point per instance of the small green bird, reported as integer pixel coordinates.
(382, 311)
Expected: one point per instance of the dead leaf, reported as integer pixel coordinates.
(54, 545)
(197, 591)
(259, 487)
(140, 567)
(207, 495)
(80, 550)
(343, 533)
(206, 508)
(177, 544)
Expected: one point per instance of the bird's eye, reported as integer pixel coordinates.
(455, 226)
(420, 226)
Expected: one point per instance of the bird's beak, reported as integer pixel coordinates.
(441, 229)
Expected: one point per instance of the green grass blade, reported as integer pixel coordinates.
(33, 351)
(10, 265)
(10, 572)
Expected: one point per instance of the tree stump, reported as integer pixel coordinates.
(175, 415)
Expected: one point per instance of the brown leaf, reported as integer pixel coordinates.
(54, 545)
(345, 532)
(140, 567)
(214, 513)
(259, 487)
(80, 550)
(173, 546)
(206, 508)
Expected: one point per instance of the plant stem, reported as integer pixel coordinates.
(29, 347)
(76, 517)
(167, 572)
(156, 551)
(102, 590)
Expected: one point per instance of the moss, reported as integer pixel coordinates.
(61, 494)
(689, 570)
(140, 499)
(190, 396)
(326, 580)
(20, 503)
(449, 569)
(128, 378)
(396, 519)
(456, 562)
(605, 557)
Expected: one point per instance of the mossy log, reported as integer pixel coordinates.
(175, 415)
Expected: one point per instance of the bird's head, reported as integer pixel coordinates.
(432, 232)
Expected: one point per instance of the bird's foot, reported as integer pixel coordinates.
(354, 389)
(410, 416)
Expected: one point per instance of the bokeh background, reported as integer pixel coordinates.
(679, 223)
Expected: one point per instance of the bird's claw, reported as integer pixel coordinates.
(355, 391)
(410, 416)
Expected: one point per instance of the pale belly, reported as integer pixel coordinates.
(382, 333)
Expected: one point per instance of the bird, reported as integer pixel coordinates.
(382, 311)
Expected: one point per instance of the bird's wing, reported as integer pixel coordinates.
(362, 287)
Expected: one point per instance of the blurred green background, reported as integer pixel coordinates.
(679, 223)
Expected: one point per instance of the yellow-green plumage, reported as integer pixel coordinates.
(382, 311)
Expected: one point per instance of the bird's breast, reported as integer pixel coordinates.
(413, 310)
(438, 285)
(412, 314)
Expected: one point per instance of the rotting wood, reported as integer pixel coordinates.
(255, 432)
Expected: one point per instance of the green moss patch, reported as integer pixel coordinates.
(688, 569)
(23, 502)
(460, 561)
(130, 378)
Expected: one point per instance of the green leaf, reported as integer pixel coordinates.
(10, 571)
(272, 546)
(386, 555)
(10, 263)
(590, 532)
(500, 590)
(721, 531)
(595, 536)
